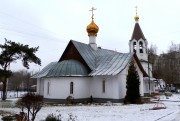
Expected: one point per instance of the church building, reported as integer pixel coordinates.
(86, 70)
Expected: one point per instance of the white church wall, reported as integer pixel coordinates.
(122, 83)
(59, 88)
(152, 83)
(40, 86)
(84, 87)
(111, 87)
(141, 87)
(115, 85)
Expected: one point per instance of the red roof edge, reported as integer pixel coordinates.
(140, 66)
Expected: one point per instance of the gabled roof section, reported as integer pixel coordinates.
(89, 54)
(72, 52)
(137, 33)
(112, 64)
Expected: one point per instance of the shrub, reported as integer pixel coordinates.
(52, 117)
(70, 99)
(8, 118)
(168, 94)
(32, 103)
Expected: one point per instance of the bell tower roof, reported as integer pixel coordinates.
(137, 33)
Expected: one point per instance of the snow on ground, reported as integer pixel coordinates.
(115, 112)
(13, 94)
(111, 113)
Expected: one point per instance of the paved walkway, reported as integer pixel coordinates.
(171, 117)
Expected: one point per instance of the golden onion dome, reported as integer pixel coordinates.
(92, 29)
(136, 18)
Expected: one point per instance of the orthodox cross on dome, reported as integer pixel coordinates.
(136, 9)
(92, 9)
(136, 17)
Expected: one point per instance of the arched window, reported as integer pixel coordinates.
(140, 47)
(134, 47)
(103, 86)
(71, 87)
(48, 86)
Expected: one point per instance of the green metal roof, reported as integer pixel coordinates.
(63, 68)
(67, 68)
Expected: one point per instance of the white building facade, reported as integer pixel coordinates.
(85, 71)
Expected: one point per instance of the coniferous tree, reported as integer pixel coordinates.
(10, 52)
(132, 85)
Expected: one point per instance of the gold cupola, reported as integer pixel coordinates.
(136, 18)
(92, 28)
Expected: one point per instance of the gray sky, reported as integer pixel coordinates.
(50, 24)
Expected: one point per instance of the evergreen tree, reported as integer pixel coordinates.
(10, 52)
(132, 85)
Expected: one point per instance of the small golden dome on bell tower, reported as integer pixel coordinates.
(136, 18)
(92, 28)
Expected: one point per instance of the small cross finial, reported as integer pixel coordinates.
(136, 9)
(92, 9)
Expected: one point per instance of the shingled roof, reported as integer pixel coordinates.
(100, 61)
(137, 33)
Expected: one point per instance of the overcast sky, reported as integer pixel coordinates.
(50, 24)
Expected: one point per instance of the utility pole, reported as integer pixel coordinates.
(149, 74)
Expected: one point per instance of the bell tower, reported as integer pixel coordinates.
(138, 42)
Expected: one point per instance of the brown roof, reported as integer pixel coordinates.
(140, 66)
(137, 33)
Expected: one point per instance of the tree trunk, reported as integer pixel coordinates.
(4, 89)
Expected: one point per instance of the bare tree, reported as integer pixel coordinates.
(152, 53)
(167, 65)
(153, 59)
(31, 104)
(21, 81)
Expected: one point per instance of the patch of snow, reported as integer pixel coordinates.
(114, 111)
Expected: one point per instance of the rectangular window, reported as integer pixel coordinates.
(103, 86)
(71, 87)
